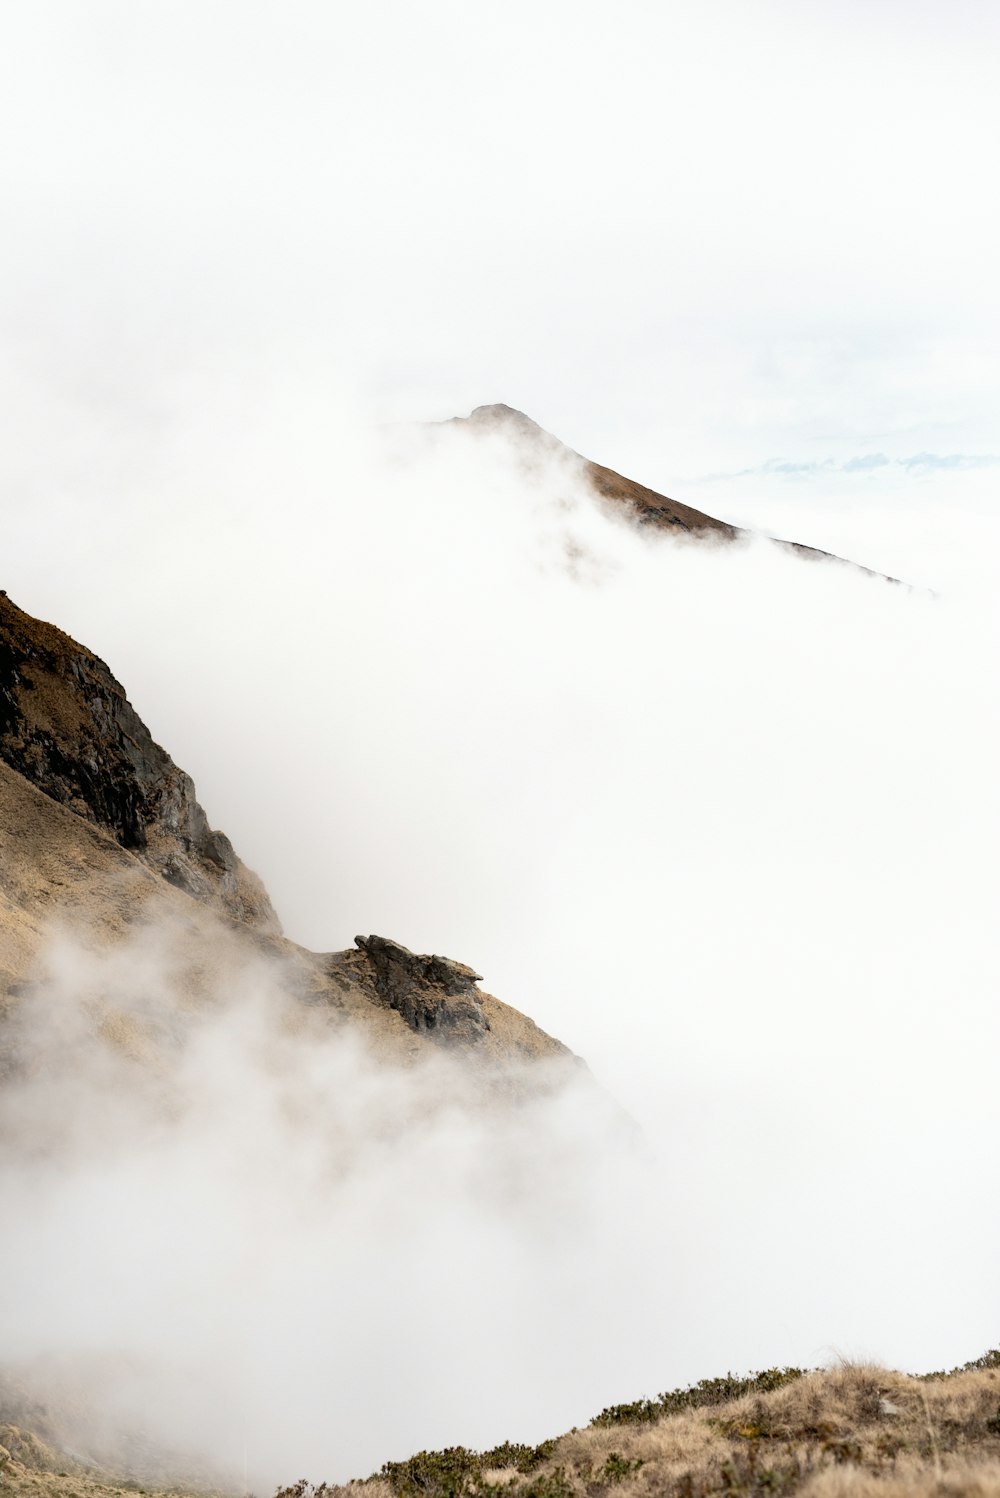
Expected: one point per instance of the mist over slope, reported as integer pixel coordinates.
(621, 496)
(723, 821)
(236, 1235)
(68, 732)
(209, 1137)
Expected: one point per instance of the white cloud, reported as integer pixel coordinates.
(672, 235)
(270, 1246)
(724, 821)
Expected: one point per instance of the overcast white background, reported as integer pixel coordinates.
(725, 823)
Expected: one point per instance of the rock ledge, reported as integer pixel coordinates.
(431, 993)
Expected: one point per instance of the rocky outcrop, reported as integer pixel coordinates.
(67, 726)
(434, 995)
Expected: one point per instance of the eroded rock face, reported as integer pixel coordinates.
(67, 726)
(432, 994)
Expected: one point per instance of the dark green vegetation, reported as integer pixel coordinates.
(454, 1472)
(457, 1471)
(989, 1361)
(707, 1391)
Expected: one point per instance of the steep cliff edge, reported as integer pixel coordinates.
(67, 726)
(102, 836)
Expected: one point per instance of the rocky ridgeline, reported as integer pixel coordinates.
(69, 731)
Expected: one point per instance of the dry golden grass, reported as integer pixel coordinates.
(853, 1431)
(910, 1479)
(60, 872)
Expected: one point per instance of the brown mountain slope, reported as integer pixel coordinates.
(101, 835)
(644, 506)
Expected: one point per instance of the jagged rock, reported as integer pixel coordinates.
(433, 994)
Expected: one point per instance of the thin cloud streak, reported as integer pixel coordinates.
(917, 463)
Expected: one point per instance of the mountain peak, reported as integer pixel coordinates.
(499, 412)
(509, 422)
(644, 506)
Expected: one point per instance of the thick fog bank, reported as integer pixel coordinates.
(724, 820)
(233, 1234)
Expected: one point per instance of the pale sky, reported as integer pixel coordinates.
(724, 823)
(690, 238)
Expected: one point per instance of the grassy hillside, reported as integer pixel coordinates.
(853, 1430)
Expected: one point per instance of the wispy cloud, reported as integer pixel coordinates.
(934, 462)
(865, 463)
(923, 462)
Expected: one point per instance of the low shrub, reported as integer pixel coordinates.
(990, 1359)
(707, 1391)
(618, 1467)
(457, 1472)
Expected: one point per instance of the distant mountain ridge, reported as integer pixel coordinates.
(643, 505)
